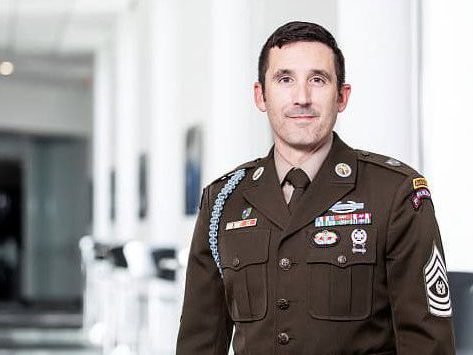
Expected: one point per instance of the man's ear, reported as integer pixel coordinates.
(258, 95)
(343, 97)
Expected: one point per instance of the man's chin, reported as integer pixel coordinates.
(304, 145)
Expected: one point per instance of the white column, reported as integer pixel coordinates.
(102, 142)
(167, 141)
(447, 77)
(230, 122)
(127, 123)
(379, 41)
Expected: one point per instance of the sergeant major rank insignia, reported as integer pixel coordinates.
(436, 284)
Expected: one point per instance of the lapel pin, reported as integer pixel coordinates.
(343, 170)
(258, 172)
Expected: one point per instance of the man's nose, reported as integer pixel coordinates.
(302, 94)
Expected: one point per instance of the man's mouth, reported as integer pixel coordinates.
(308, 117)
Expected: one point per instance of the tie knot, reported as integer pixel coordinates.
(297, 178)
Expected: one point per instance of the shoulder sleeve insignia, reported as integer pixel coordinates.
(436, 285)
(418, 183)
(418, 195)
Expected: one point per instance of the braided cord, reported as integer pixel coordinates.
(216, 213)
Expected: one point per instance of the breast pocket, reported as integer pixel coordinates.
(244, 256)
(340, 282)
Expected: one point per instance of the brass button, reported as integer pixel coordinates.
(283, 338)
(285, 263)
(236, 262)
(342, 259)
(282, 303)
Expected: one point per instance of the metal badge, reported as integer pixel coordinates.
(343, 170)
(325, 238)
(359, 238)
(246, 213)
(436, 284)
(258, 172)
(393, 162)
(349, 206)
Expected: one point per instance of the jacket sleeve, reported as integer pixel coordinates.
(206, 327)
(417, 277)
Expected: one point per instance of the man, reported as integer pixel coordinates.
(317, 248)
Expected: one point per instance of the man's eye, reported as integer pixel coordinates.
(285, 80)
(318, 80)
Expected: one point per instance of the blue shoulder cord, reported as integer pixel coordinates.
(217, 212)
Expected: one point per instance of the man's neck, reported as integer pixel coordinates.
(296, 156)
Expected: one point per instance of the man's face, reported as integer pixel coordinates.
(301, 95)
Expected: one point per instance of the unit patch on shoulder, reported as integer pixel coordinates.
(418, 195)
(419, 183)
(436, 285)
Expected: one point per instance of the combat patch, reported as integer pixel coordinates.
(418, 195)
(436, 285)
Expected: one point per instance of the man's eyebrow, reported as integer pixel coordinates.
(321, 72)
(282, 72)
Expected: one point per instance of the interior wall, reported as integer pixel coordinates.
(33, 106)
(447, 57)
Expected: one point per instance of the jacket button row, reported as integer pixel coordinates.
(283, 338)
(285, 263)
(282, 303)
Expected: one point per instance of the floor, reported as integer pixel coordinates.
(40, 331)
(35, 341)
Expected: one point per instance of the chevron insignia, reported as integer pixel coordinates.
(436, 284)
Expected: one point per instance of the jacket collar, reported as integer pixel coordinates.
(326, 189)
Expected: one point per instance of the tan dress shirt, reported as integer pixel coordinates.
(310, 166)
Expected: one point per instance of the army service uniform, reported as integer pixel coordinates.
(357, 268)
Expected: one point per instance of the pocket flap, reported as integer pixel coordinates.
(241, 248)
(348, 251)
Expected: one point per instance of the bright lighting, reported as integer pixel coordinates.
(6, 68)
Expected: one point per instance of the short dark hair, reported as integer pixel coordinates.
(298, 31)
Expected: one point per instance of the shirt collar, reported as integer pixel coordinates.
(310, 166)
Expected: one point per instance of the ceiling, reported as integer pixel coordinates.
(55, 39)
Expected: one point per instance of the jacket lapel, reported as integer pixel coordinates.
(265, 193)
(326, 189)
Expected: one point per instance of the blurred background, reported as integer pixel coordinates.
(115, 113)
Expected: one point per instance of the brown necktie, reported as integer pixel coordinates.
(299, 179)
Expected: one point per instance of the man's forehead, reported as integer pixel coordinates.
(301, 55)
